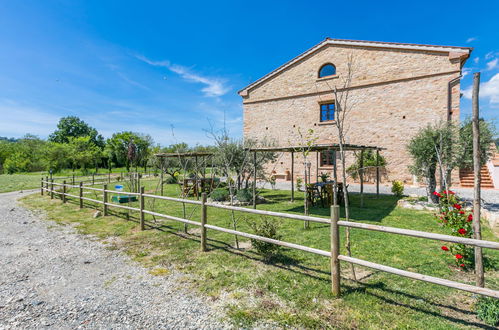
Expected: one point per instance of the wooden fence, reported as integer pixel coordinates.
(334, 222)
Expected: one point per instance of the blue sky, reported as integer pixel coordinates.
(172, 68)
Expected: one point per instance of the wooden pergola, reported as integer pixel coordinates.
(182, 155)
(317, 148)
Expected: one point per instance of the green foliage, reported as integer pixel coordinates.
(299, 184)
(423, 149)
(73, 127)
(487, 132)
(324, 176)
(487, 310)
(398, 188)
(172, 179)
(83, 153)
(453, 216)
(369, 158)
(266, 227)
(117, 149)
(244, 195)
(220, 194)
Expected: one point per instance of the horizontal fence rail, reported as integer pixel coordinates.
(334, 223)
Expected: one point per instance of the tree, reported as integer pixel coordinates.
(117, 148)
(487, 132)
(73, 126)
(83, 152)
(57, 156)
(445, 147)
(425, 160)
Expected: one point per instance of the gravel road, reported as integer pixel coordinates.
(52, 277)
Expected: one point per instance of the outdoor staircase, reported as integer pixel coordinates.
(467, 178)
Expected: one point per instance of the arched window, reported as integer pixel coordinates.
(327, 70)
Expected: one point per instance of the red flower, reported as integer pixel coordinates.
(461, 212)
(458, 256)
(457, 206)
(470, 217)
(461, 265)
(437, 194)
(445, 248)
(462, 231)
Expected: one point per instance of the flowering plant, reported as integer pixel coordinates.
(453, 216)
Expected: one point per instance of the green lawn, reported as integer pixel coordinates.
(294, 290)
(13, 182)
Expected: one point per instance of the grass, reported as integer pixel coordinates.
(13, 182)
(294, 290)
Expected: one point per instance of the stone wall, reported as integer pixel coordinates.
(394, 94)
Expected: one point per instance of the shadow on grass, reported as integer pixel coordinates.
(374, 210)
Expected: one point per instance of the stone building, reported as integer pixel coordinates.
(395, 90)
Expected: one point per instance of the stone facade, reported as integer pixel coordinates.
(394, 92)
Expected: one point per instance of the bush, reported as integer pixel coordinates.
(487, 310)
(299, 184)
(265, 227)
(397, 188)
(171, 179)
(244, 195)
(220, 194)
(453, 216)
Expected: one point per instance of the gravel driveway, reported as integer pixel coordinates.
(52, 277)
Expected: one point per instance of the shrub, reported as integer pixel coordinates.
(220, 194)
(172, 179)
(265, 227)
(244, 195)
(453, 216)
(324, 176)
(299, 184)
(487, 310)
(397, 188)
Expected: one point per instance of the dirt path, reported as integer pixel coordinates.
(50, 276)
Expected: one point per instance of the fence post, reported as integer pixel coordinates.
(51, 188)
(47, 184)
(81, 195)
(335, 250)
(109, 177)
(203, 221)
(73, 180)
(93, 179)
(41, 186)
(64, 191)
(141, 202)
(104, 198)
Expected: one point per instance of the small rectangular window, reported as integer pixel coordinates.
(327, 112)
(327, 158)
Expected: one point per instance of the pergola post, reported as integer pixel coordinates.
(292, 176)
(197, 180)
(335, 177)
(361, 176)
(317, 166)
(161, 175)
(254, 179)
(377, 173)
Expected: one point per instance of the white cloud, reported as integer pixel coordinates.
(488, 90)
(476, 60)
(470, 39)
(19, 119)
(494, 64)
(465, 72)
(214, 86)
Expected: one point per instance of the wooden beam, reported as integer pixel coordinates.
(292, 176)
(421, 277)
(377, 173)
(254, 179)
(335, 251)
(480, 280)
(361, 176)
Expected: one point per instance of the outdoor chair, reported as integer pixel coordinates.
(314, 195)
